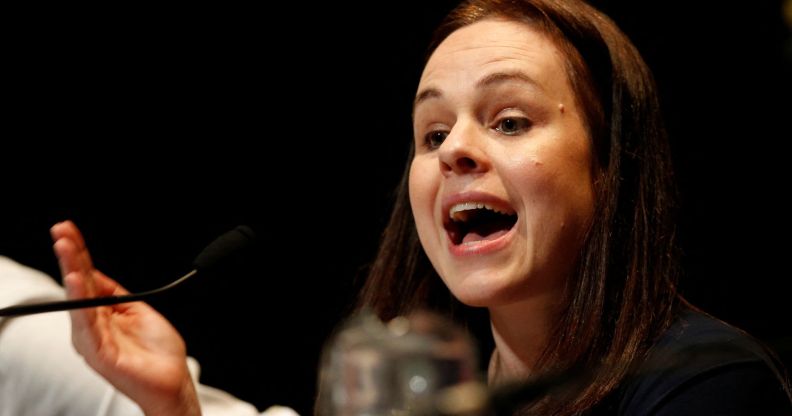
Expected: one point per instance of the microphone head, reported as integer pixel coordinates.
(228, 243)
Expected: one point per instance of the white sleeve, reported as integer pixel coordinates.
(42, 374)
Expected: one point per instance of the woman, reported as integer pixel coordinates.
(540, 189)
(543, 112)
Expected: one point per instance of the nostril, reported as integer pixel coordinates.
(460, 165)
(466, 164)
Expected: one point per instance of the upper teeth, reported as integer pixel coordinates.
(459, 212)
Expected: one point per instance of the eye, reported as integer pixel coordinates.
(512, 125)
(435, 138)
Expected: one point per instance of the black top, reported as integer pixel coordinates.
(702, 366)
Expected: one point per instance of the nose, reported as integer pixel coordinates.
(462, 152)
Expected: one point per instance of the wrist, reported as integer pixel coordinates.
(182, 403)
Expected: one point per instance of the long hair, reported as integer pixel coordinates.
(622, 295)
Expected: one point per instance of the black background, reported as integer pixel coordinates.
(157, 129)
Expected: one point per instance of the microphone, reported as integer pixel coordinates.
(219, 249)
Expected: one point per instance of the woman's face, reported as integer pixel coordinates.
(501, 183)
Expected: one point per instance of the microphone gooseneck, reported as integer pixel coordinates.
(219, 249)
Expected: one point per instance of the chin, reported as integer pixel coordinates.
(489, 288)
(482, 291)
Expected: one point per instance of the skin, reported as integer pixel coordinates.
(134, 347)
(496, 119)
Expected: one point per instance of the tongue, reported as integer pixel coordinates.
(473, 236)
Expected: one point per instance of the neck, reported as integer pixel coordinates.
(520, 331)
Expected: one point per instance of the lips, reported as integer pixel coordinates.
(475, 220)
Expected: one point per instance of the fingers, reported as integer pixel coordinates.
(83, 320)
(67, 230)
(67, 255)
(72, 265)
(92, 328)
(108, 286)
(73, 256)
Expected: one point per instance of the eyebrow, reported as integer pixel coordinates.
(487, 81)
(510, 76)
(425, 95)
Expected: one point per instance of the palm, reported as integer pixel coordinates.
(138, 348)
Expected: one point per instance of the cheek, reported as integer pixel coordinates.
(534, 178)
(422, 189)
(555, 187)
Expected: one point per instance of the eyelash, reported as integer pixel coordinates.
(435, 138)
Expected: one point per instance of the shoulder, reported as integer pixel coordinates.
(701, 364)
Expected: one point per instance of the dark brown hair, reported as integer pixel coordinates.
(623, 293)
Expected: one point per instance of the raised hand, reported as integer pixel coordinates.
(131, 345)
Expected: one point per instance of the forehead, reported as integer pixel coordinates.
(491, 45)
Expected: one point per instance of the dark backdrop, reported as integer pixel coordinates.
(157, 129)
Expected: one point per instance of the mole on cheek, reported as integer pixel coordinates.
(561, 108)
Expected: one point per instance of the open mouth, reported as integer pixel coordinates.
(470, 222)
